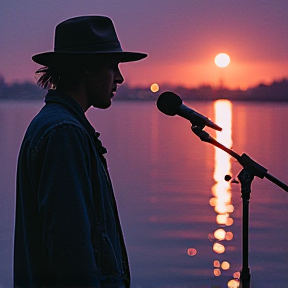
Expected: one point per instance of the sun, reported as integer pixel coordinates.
(222, 60)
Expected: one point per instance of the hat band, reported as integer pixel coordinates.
(93, 48)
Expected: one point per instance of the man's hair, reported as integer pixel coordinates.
(59, 77)
(70, 73)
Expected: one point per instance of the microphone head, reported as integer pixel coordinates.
(168, 103)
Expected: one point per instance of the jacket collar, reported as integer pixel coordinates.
(54, 96)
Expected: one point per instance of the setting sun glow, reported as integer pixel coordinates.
(222, 60)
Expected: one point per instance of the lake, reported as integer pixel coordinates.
(181, 220)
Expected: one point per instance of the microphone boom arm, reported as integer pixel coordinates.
(248, 163)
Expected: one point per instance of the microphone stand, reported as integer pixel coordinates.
(246, 176)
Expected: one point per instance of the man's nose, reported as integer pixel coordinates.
(118, 76)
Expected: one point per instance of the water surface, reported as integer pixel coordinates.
(171, 194)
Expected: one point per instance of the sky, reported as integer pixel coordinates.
(181, 37)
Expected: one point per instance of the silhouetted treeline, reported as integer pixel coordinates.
(277, 91)
(20, 91)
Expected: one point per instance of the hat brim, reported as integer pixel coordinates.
(58, 58)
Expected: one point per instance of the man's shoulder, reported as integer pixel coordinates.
(53, 117)
(54, 114)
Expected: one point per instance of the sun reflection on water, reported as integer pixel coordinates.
(221, 190)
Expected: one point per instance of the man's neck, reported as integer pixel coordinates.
(79, 95)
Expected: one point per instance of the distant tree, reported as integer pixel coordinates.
(2, 82)
(20, 91)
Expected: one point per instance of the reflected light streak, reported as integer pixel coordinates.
(222, 200)
(221, 190)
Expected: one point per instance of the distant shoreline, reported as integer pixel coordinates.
(275, 92)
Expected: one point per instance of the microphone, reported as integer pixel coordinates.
(171, 104)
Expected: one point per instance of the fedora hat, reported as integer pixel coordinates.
(83, 36)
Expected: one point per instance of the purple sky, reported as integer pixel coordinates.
(182, 38)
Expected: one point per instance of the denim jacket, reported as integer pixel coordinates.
(67, 229)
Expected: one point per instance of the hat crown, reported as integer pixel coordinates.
(86, 34)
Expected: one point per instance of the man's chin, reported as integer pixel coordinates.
(103, 105)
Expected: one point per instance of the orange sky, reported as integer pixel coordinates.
(182, 38)
(236, 75)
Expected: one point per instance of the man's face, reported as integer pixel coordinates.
(102, 84)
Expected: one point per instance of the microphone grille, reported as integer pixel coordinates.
(168, 103)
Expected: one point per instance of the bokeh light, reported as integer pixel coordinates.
(218, 248)
(220, 234)
(225, 265)
(237, 274)
(217, 272)
(229, 221)
(221, 218)
(213, 201)
(229, 236)
(230, 208)
(154, 87)
(191, 252)
(233, 283)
